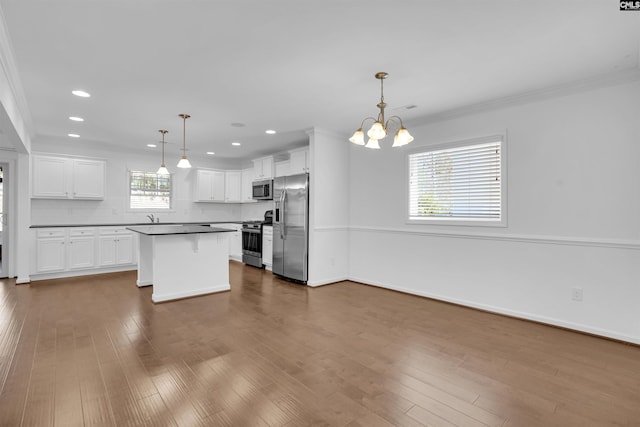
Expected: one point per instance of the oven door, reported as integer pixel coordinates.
(252, 241)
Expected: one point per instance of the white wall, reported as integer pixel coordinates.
(573, 216)
(329, 208)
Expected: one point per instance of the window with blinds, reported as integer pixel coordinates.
(462, 181)
(148, 190)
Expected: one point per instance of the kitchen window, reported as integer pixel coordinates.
(149, 191)
(461, 183)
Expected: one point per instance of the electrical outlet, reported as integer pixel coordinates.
(576, 294)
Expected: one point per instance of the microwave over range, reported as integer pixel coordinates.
(262, 190)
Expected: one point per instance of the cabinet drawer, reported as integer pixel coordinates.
(113, 230)
(267, 231)
(48, 232)
(80, 232)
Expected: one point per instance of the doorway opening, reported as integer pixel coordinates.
(3, 223)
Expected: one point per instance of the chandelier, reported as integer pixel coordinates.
(380, 127)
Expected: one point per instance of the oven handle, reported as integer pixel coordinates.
(249, 230)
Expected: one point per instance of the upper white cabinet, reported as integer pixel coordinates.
(217, 186)
(247, 189)
(233, 187)
(68, 178)
(210, 186)
(263, 168)
(299, 161)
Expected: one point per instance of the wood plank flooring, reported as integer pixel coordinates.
(95, 351)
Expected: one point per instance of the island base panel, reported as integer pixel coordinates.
(189, 265)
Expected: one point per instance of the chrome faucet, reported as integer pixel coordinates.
(151, 217)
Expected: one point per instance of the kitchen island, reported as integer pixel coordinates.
(182, 261)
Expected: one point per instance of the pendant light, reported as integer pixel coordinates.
(184, 163)
(379, 128)
(162, 170)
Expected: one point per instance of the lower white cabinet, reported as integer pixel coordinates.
(69, 249)
(60, 249)
(235, 240)
(50, 250)
(115, 247)
(80, 251)
(267, 245)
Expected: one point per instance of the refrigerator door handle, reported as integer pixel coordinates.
(283, 199)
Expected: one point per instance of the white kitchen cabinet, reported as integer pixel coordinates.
(263, 168)
(282, 168)
(60, 249)
(235, 240)
(68, 178)
(80, 249)
(298, 161)
(209, 186)
(50, 250)
(267, 246)
(247, 189)
(115, 247)
(233, 186)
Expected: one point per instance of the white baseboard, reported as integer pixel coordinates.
(511, 313)
(196, 292)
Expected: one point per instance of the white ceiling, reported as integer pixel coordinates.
(293, 64)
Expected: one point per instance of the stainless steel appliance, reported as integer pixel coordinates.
(291, 227)
(262, 190)
(252, 240)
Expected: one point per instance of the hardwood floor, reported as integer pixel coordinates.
(95, 351)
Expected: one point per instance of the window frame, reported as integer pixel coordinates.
(448, 221)
(149, 209)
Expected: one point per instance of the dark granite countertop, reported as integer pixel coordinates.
(129, 224)
(160, 230)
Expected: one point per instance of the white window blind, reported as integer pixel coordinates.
(461, 182)
(148, 190)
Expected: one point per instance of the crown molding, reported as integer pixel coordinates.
(23, 124)
(596, 82)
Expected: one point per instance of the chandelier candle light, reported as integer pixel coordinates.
(184, 163)
(162, 170)
(379, 128)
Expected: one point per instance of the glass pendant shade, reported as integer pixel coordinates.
(357, 137)
(184, 163)
(403, 137)
(373, 143)
(377, 131)
(162, 170)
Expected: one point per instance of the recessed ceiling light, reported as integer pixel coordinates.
(81, 93)
(151, 145)
(270, 131)
(211, 153)
(73, 135)
(76, 119)
(235, 143)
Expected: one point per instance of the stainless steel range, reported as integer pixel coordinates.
(252, 240)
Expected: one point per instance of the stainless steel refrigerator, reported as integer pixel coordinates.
(291, 227)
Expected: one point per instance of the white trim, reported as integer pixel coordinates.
(330, 281)
(22, 280)
(512, 313)
(330, 228)
(596, 82)
(520, 238)
(196, 292)
(76, 273)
